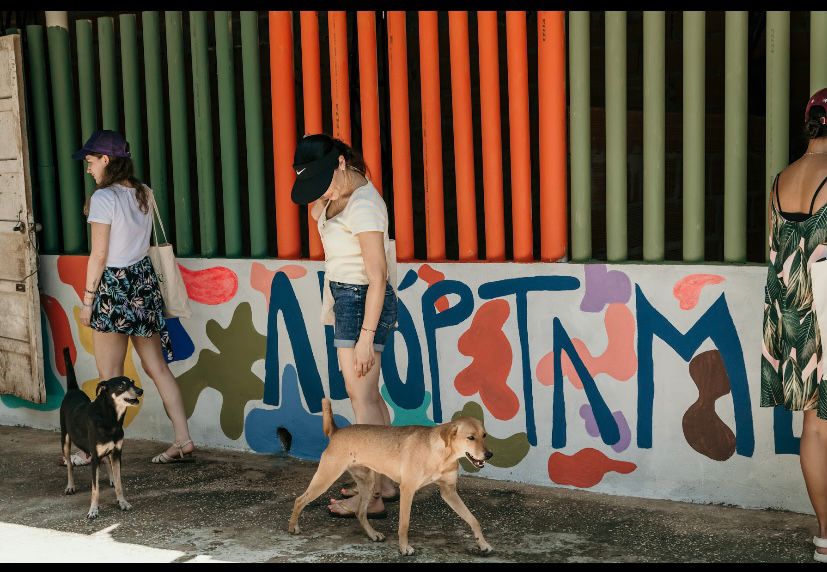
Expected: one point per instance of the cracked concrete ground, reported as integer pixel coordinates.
(234, 506)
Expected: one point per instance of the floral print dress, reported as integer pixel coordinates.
(791, 354)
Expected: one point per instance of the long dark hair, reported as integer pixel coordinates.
(121, 169)
(815, 126)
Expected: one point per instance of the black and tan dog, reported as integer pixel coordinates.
(413, 456)
(96, 427)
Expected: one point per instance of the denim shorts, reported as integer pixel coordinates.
(349, 307)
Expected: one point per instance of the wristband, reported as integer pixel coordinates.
(371, 331)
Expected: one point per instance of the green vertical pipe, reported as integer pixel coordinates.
(654, 68)
(694, 28)
(616, 231)
(87, 88)
(155, 105)
(735, 137)
(580, 136)
(109, 73)
(231, 198)
(40, 116)
(778, 97)
(132, 107)
(818, 50)
(66, 141)
(253, 131)
(179, 141)
(203, 133)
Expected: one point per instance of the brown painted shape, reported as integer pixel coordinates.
(704, 430)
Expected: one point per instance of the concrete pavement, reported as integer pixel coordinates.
(233, 506)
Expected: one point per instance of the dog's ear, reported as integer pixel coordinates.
(448, 432)
(101, 386)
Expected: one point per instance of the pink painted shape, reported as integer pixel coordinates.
(490, 349)
(687, 290)
(215, 285)
(618, 360)
(61, 332)
(261, 277)
(431, 276)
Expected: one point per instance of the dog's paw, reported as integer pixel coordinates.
(93, 513)
(376, 536)
(485, 548)
(124, 505)
(406, 550)
(293, 529)
(69, 491)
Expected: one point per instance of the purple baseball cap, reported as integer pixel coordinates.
(818, 99)
(104, 142)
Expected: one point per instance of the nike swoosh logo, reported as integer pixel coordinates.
(300, 172)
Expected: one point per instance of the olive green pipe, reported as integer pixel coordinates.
(735, 137)
(67, 141)
(155, 106)
(654, 50)
(230, 186)
(179, 141)
(203, 133)
(616, 194)
(254, 133)
(41, 121)
(580, 136)
(133, 110)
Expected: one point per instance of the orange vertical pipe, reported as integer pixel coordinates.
(463, 135)
(400, 135)
(369, 89)
(515, 28)
(551, 73)
(312, 96)
(284, 132)
(431, 134)
(339, 83)
(492, 168)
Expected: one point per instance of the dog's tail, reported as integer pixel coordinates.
(328, 425)
(71, 380)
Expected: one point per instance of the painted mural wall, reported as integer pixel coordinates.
(626, 379)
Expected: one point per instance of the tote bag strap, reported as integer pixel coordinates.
(160, 222)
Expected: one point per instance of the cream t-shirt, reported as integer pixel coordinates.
(365, 211)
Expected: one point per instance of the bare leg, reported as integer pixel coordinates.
(152, 360)
(369, 409)
(814, 467)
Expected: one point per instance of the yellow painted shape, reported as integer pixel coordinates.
(129, 369)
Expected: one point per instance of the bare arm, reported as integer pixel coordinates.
(373, 253)
(97, 262)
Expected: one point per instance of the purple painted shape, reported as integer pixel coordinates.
(622, 426)
(604, 287)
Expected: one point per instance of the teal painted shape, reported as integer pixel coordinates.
(54, 389)
(418, 416)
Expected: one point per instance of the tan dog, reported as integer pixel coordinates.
(413, 456)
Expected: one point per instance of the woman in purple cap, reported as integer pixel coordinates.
(791, 368)
(359, 300)
(122, 300)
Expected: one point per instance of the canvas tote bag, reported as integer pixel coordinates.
(173, 290)
(818, 279)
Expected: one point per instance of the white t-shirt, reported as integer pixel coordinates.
(365, 211)
(130, 226)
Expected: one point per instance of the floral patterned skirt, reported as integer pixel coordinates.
(129, 302)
